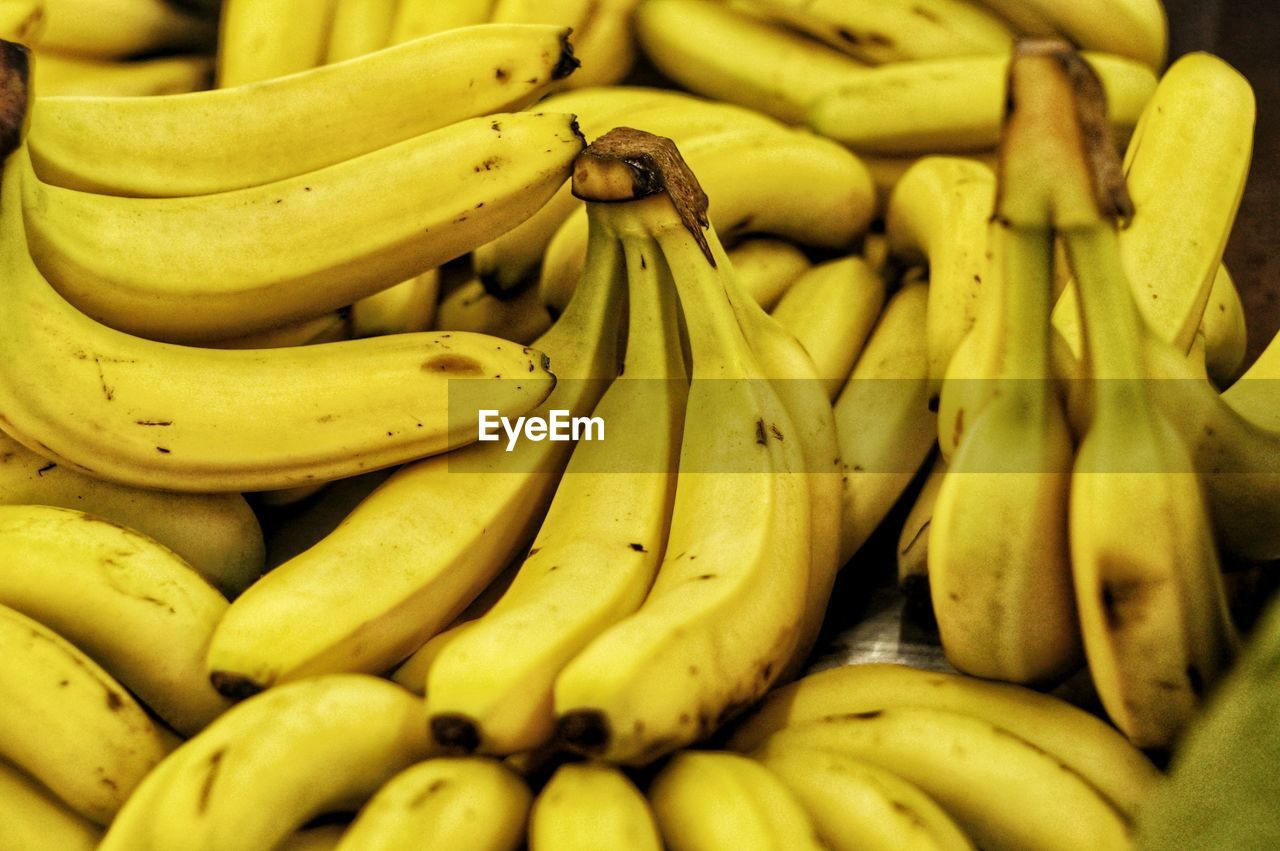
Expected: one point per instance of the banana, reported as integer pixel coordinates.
(69, 724)
(913, 539)
(444, 803)
(766, 268)
(33, 819)
(116, 29)
(417, 18)
(217, 534)
(1079, 740)
(855, 805)
(359, 27)
(520, 315)
(880, 31)
(1226, 336)
(566, 13)
(68, 75)
(1134, 28)
(135, 607)
(1002, 790)
(419, 548)
(262, 39)
(155, 415)
(605, 44)
(590, 805)
(324, 837)
(707, 800)
(953, 105)
(831, 309)
(883, 420)
(599, 546)
(326, 328)
(246, 136)
(401, 309)
(791, 184)
(740, 526)
(700, 44)
(21, 20)
(268, 765)
(264, 256)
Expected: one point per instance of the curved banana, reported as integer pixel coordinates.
(156, 415)
(1226, 336)
(217, 534)
(330, 327)
(444, 803)
(831, 309)
(417, 18)
(58, 75)
(245, 136)
(590, 805)
(855, 805)
(200, 268)
(1081, 741)
(883, 421)
(953, 105)
(262, 39)
(520, 316)
(605, 44)
(135, 607)
(419, 548)
(1134, 28)
(766, 268)
(268, 765)
(1002, 790)
(709, 800)
(599, 545)
(116, 29)
(69, 724)
(402, 309)
(913, 540)
(566, 13)
(701, 44)
(34, 819)
(359, 27)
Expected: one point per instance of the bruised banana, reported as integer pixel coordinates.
(590, 805)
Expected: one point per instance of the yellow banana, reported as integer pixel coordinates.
(566, 13)
(34, 819)
(326, 328)
(262, 39)
(359, 27)
(590, 805)
(1226, 337)
(418, 18)
(520, 316)
(767, 268)
(606, 45)
(58, 75)
(401, 309)
(913, 539)
(1133, 28)
(116, 29)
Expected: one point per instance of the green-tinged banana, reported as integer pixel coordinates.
(883, 420)
(1203, 110)
(157, 415)
(712, 800)
(271, 763)
(767, 268)
(116, 29)
(33, 819)
(606, 44)
(1003, 791)
(601, 542)
(700, 45)
(1226, 336)
(939, 214)
(520, 315)
(1152, 607)
(59, 74)
(444, 803)
(792, 185)
(857, 806)
(913, 540)
(740, 527)
(250, 135)
(404, 308)
(879, 31)
(590, 805)
(1134, 28)
(135, 607)
(831, 309)
(359, 27)
(1079, 740)
(217, 534)
(326, 328)
(262, 39)
(69, 724)
(419, 548)
(953, 105)
(200, 268)
(418, 18)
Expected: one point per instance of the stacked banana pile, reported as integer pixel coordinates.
(310, 284)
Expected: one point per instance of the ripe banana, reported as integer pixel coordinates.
(417, 18)
(268, 765)
(855, 805)
(1001, 789)
(590, 805)
(21, 20)
(700, 44)
(520, 315)
(156, 415)
(599, 546)
(831, 309)
(1226, 337)
(880, 31)
(263, 39)
(217, 534)
(1133, 28)
(359, 27)
(766, 268)
(706, 800)
(883, 420)
(913, 539)
(444, 803)
(323, 837)
(566, 13)
(69, 724)
(326, 328)
(57, 75)
(402, 309)
(116, 29)
(421, 546)
(1079, 740)
(605, 44)
(34, 819)
(136, 608)
(264, 256)
(953, 105)
(247, 136)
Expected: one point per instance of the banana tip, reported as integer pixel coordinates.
(455, 733)
(567, 63)
(234, 686)
(584, 730)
